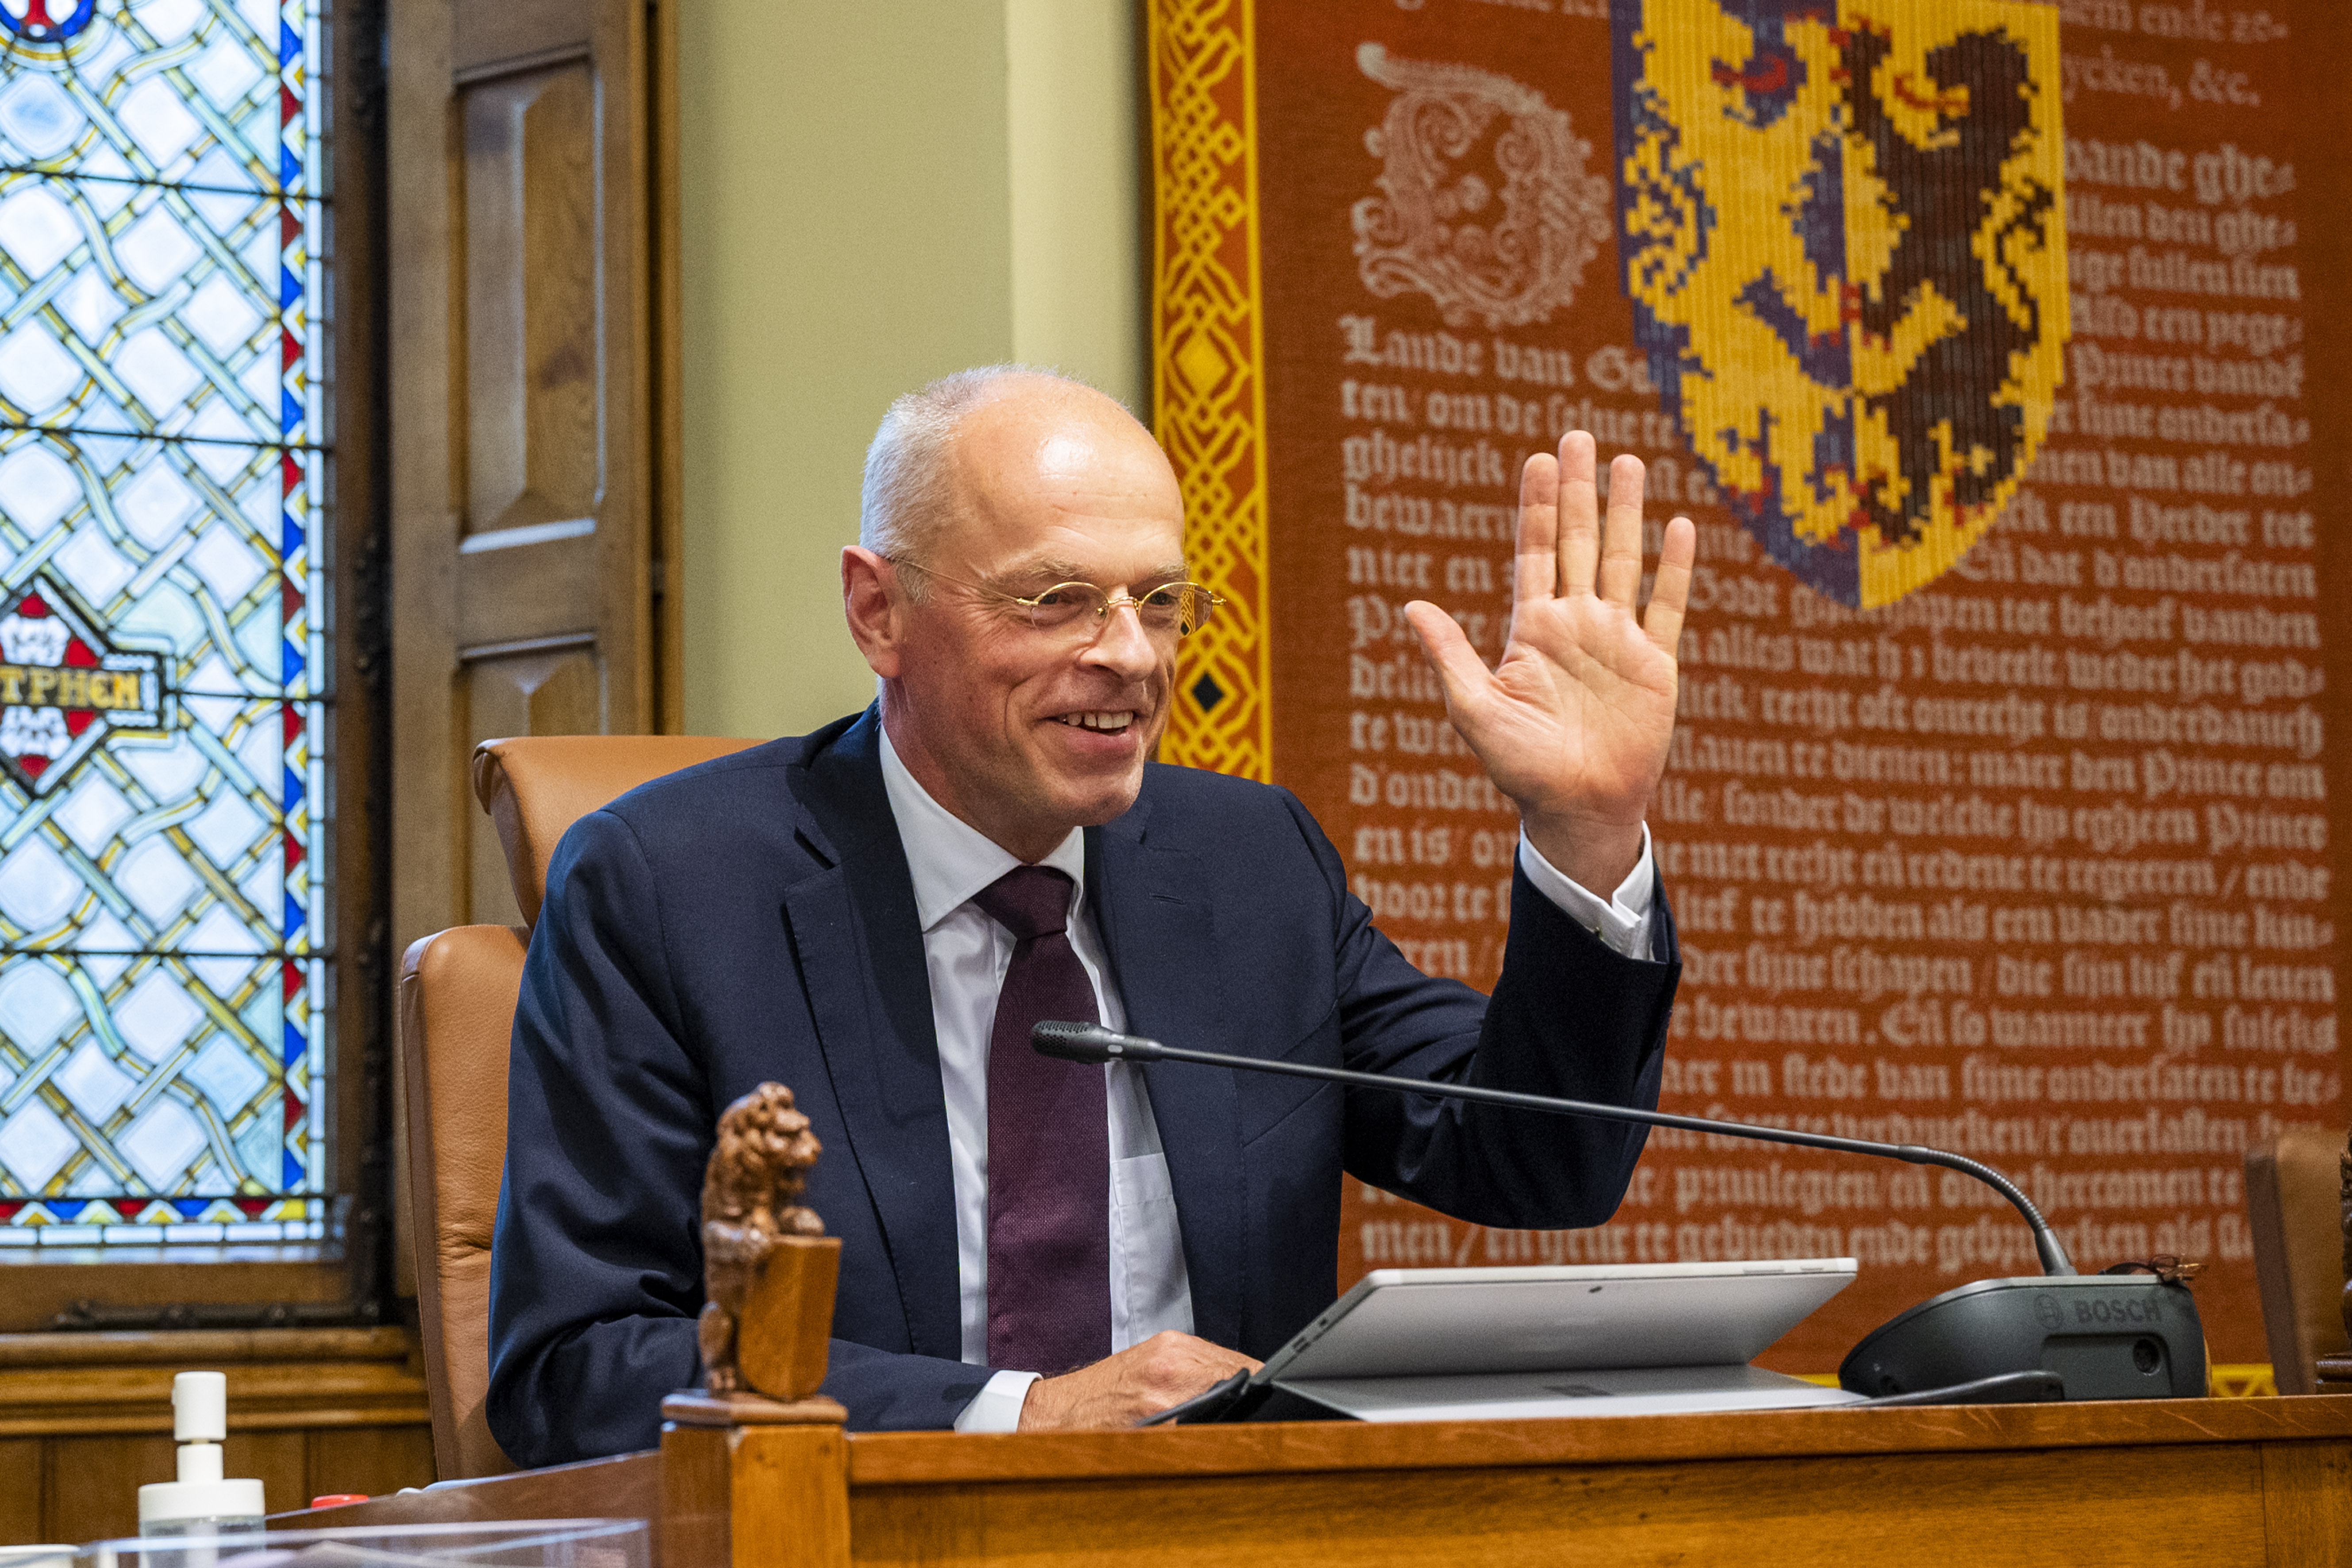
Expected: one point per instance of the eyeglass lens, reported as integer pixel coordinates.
(1177, 607)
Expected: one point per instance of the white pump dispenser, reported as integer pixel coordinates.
(200, 1503)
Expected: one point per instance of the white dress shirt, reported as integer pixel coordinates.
(966, 953)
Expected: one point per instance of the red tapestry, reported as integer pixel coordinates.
(1970, 332)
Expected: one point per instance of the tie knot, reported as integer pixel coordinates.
(1028, 900)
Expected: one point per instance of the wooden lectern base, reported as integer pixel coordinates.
(2175, 1483)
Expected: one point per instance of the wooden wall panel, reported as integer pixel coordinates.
(553, 691)
(23, 1463)
(81, 1488)
(86, 1420)
(370, 1460)
(526, 412)
(485, 36)
(279, 1460)
(92, 1490)
(533, 341)
(523, 425)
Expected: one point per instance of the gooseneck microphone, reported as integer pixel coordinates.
(2114, 1335)
(1093, 1043)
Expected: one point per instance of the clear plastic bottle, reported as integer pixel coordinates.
(225, 1524)
(200, 1503)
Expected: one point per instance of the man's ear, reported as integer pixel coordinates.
(875, 611)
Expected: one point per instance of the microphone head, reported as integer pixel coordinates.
(1075, 1042)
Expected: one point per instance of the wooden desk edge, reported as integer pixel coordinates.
(624, 1486)
(919, 1458)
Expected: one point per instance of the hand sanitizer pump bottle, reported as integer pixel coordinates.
(200, 1503)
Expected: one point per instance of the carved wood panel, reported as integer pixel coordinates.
(533, 341)
(86, 1420)
(526, 338)
(531, 691)
(74, 1489)
(524, 332)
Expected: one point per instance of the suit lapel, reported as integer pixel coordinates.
(860, 947)
(1161, 941)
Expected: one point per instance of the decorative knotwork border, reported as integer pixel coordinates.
(1208, 367)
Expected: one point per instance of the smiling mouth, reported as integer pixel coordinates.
(1105, 722)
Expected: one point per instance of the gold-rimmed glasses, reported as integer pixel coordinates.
(1171, 609)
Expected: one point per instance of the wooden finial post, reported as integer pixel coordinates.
(768, 1274)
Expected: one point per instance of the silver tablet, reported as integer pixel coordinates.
(1422, 1322)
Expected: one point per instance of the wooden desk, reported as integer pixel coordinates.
(2208, 1482)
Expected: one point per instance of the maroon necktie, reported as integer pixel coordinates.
(1048, 1146)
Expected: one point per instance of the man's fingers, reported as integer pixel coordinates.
(1621, 547)
(1120, 1389)
(1671, 592)
(1579, 513)
(1178, 1366)
(1535, 566)
(1459, 668)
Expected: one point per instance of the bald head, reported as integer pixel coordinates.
(986, 494)
(986, 438)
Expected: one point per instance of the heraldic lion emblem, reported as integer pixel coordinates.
(1843, 233)
(750, 1201)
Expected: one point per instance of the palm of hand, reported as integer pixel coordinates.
(1574, 723)
(1578, 716)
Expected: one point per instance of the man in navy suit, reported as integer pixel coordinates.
(874, 913)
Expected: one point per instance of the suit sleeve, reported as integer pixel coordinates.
(1569, 1018)
(597, 1265)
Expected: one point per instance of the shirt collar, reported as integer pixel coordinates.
(950, 859)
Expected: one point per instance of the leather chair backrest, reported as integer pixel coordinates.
(2294, 1196)
(457, 992)
(536, 787)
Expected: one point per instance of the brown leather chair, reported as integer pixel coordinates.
(2294, 1195)
(458, 991)
(534, 789)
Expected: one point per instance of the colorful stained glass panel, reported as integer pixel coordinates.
(186, 92)
(180, 547)
(154, 309)
(163, 959)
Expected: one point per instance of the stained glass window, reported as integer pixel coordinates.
(162, 969)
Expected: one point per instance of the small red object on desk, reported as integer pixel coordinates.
(336, 1500)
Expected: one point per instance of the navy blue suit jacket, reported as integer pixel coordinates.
(752, 919)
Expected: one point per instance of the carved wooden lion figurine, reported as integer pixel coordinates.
(757, 1171)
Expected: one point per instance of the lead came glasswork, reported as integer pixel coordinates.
(162, 723)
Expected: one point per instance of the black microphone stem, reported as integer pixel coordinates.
(1105, 1044)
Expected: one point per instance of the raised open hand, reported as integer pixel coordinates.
(1574, 723)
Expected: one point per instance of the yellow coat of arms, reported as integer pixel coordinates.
(1842, 224)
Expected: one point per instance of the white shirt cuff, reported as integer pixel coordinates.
(1623, 922)
(998, 1407)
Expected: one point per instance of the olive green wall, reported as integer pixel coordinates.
(872, 195)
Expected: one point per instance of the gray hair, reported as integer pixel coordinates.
(905, 498)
